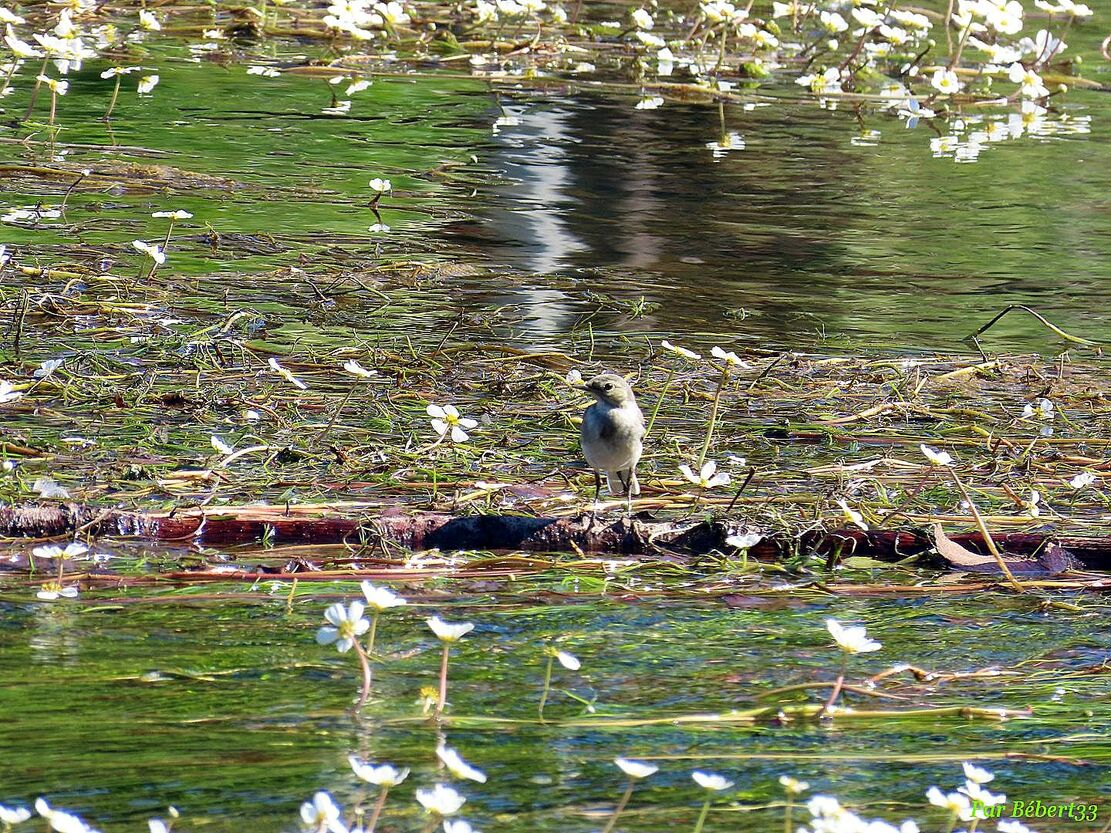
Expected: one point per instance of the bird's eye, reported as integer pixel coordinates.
(607, 386)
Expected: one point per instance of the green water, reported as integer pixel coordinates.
(226, 708)
(818, 235)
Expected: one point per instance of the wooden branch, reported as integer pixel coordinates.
(612, 535)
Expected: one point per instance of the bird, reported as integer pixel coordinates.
(612, 434)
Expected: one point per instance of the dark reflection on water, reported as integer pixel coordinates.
(817, 229)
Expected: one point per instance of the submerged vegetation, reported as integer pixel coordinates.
(300, 321)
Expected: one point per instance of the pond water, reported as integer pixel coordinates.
(831, 229)
(219, 702)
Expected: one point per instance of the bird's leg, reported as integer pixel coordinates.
(597, 486)
(627, 484)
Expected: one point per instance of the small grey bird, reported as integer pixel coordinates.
(612, 431)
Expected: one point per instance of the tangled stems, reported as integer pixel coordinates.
(620, 808)
(714, 414)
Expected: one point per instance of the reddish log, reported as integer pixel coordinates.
(613, 535)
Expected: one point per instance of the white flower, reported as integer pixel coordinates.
(20, 49)
(729, 358)
(146, 84)
(458, 767)
(358, 86)
(148, 21)
(152, 250)
(980, 796)
(322, 814)
(680, 351)
(72, 550)
(448, 631)
(851, 640)
(792, 785)
(574, 377)
(378, 228)
(458, 826)
(116, 71)
(381, 186)
(650, 103)
(57, 87)
(746, 540)
(642, 19)
(53, 590)
(45, 370)
(263, 71)
(47, 487)
(635, 769)
(172, 215)
(61, 821)
(285, 374)
(568, 661)
(347, 625)
(955, 803)
(945, 81)
(851, 515)
(975, 774)
(1005, 18)
(710, 781)
(937, 458)
(13, 815)
(1082, 480)
(1013, 826)
(485, 12)
(1031, 504)
(1032, 86)
(157, 826)
(393, 13)
(8, 393)
(381, 776)
(380, 598)
(221, 446)
(356, 369)
(441, 800)
(708, 476)
(446, 419)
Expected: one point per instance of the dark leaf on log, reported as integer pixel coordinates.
(958, 556)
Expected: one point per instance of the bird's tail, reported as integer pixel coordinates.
(617, 480)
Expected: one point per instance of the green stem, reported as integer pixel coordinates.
(547, 687)
(169, 231)
(713, 416)
(373, 632)
(659, 402)
(442, 700)
(377, 811)
(787, 814)
(702, 816)
(619, 808)
(115, 95)
(365, 663)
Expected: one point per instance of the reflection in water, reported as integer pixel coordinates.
(804, 231)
